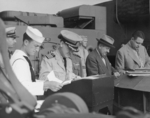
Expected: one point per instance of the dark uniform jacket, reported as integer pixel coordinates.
(95, 64)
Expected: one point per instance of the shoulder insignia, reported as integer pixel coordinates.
(49, 56)
(77, 55)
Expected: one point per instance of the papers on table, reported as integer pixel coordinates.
(35, 88)
(93, 77)
(51, 77)
(66, 82)
(142, 69)
(139, 72)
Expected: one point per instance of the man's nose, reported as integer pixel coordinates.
(37, 49)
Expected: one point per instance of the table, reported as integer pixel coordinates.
(97, 93)
(138, 84)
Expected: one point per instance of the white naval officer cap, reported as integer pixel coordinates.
(10, 32)
(71, 39)
(35, 34)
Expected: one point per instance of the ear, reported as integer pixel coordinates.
(132, 38)
(26, 42)
(61, 44)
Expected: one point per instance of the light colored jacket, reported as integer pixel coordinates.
(1, 62)
(126, 58)
(55, 64)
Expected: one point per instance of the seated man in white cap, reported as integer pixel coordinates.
(60, 66)
(97, 62)
(74, 48)
(32, 40)
(83, 53)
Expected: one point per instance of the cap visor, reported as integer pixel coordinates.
(73, 49)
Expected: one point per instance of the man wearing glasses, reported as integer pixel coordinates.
(133, 55)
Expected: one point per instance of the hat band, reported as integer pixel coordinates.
(74, 49)
(75, 46)
(105, 43)
(67, 40)
(11, 35)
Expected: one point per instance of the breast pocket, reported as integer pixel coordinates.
(59, 72)
(76, 68)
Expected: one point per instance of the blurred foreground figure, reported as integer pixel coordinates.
(130, 112)
(11, 40)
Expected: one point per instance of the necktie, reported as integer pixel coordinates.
(31, 69)
(65, 63)
(104, 61)
(10, 53)
(141, 61)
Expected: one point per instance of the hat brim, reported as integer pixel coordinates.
(13, 36)
(105, 43)
(67, 40)
(16, 36)
(73, 49)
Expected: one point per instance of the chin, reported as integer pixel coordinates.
(10, 46)
(32, 54)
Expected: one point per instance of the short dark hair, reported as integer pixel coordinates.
(137, 34)
(26, 37)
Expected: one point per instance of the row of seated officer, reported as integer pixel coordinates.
(29, 47)
(66, 65)
(21, 97)
(25, 100)
(22, 101)
(61, 64)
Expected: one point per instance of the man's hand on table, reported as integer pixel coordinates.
(52, 85)
(116, 74)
